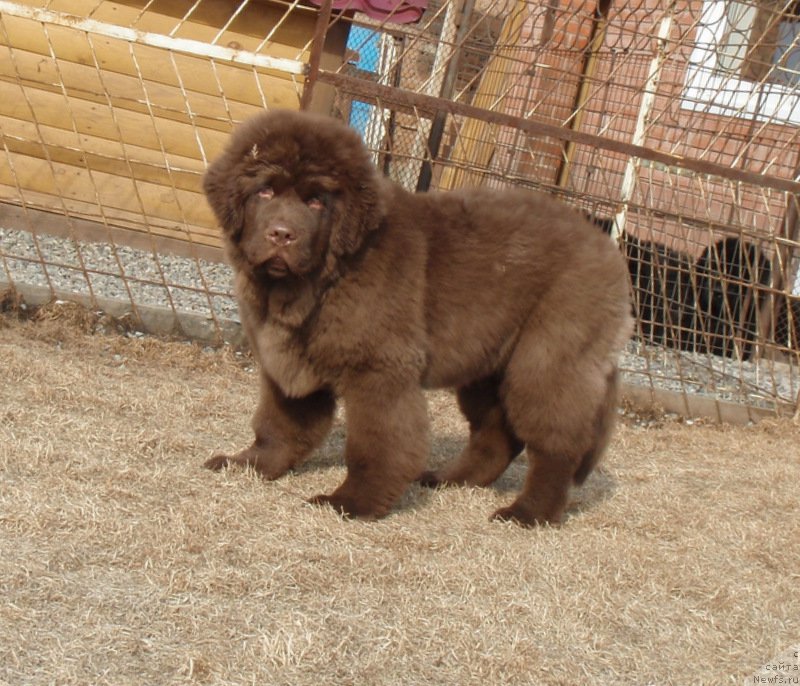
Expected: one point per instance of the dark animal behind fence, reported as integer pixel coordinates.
(731, 277)
(710, 305)
(662, 290)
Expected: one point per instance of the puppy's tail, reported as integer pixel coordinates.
(604, 424)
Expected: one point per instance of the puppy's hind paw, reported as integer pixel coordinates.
(429, 479)
(347, 507)
(524, 516)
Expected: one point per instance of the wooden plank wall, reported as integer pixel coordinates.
(117, 133)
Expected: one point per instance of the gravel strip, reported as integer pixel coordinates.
(179, 283)
(757, 384)
(196, 286)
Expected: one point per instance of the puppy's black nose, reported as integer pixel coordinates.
(280, 235)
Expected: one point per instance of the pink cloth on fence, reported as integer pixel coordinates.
(397, 11)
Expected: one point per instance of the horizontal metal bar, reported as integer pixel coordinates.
(410, 101)
(157, 40)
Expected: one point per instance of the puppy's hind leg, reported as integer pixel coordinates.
(286, 430)
(492, 444)
(564, 414)
(605, 421)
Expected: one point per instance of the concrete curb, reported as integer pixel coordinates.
(159, 321)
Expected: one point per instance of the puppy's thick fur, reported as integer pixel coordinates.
(352, 288)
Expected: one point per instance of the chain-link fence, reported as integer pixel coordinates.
(673, 124)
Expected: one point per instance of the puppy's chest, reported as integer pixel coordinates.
(286, 361)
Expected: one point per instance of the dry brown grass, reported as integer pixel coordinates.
(123, 562)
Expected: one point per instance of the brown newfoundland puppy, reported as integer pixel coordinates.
(352, 288)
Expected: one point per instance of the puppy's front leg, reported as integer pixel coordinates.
(387, 447)
(287, 431)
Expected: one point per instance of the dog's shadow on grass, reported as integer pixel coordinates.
(598, 487)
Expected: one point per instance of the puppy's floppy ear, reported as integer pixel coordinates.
(361, 207)
(228, 180)
(223, 191)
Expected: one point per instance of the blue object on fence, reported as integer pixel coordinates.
(366, 44)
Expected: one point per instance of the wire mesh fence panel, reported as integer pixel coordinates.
(678, 140)
(110, 112)
(673, 124)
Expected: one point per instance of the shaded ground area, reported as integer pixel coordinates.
(122, 561)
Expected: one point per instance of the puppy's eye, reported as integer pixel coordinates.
(315, 203)
(267, 193)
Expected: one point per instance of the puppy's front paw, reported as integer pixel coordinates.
(269, 464)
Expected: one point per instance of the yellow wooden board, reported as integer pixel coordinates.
(289, 34)
(477, 140)
(55, 55)
(132, 222)
(108, 192)
(117, 124)
(126, 160)
(119, 133)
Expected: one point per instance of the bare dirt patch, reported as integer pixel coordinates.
(122, 561)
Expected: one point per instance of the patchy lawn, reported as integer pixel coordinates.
(122, 561)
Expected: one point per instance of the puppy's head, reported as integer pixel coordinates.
(292, 189)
